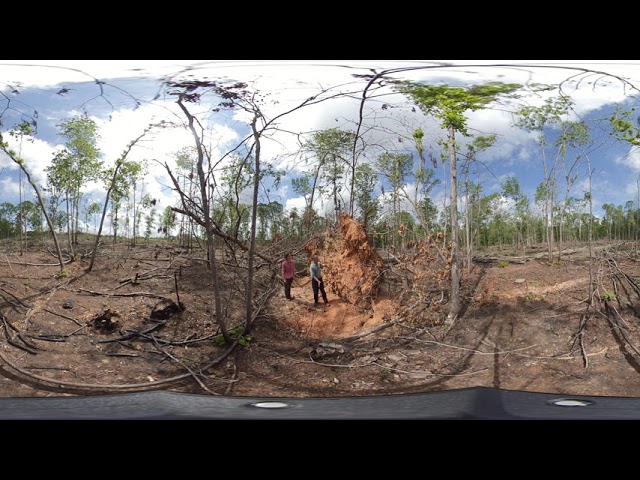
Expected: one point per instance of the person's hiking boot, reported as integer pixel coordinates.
(315, 304)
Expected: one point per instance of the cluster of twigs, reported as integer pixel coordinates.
(418, 278)
(614, 295)
(154, 263)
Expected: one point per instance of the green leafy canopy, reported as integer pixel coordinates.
(449, 104)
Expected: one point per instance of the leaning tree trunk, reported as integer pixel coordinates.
(208, 225)
(20, 163)
(254, 214)
(104, 214)
(119, 163)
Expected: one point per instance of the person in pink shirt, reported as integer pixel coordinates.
(288, 273)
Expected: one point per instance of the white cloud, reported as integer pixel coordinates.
(631, 159)
(36, 152)
(9, 188)
(296, 202)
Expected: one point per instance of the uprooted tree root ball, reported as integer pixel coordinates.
(352, 268)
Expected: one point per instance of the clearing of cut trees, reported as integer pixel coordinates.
(143, 318)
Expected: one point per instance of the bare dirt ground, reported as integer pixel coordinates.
(142, 320)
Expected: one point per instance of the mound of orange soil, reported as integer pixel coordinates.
(352, 269)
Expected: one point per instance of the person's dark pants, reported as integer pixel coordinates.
(318, 286)
(287, 288)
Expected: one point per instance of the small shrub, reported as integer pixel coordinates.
(64, 273)
(608, 296)
(529, 297)
(503, 263)
(234, 332)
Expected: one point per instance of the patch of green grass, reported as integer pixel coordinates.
(503, 263)
(608, 296)
(529, 297)
(233, 333)
(64, 273)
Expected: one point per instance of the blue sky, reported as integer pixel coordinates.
(124, 97)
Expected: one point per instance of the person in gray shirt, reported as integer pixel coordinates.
(316, 281)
